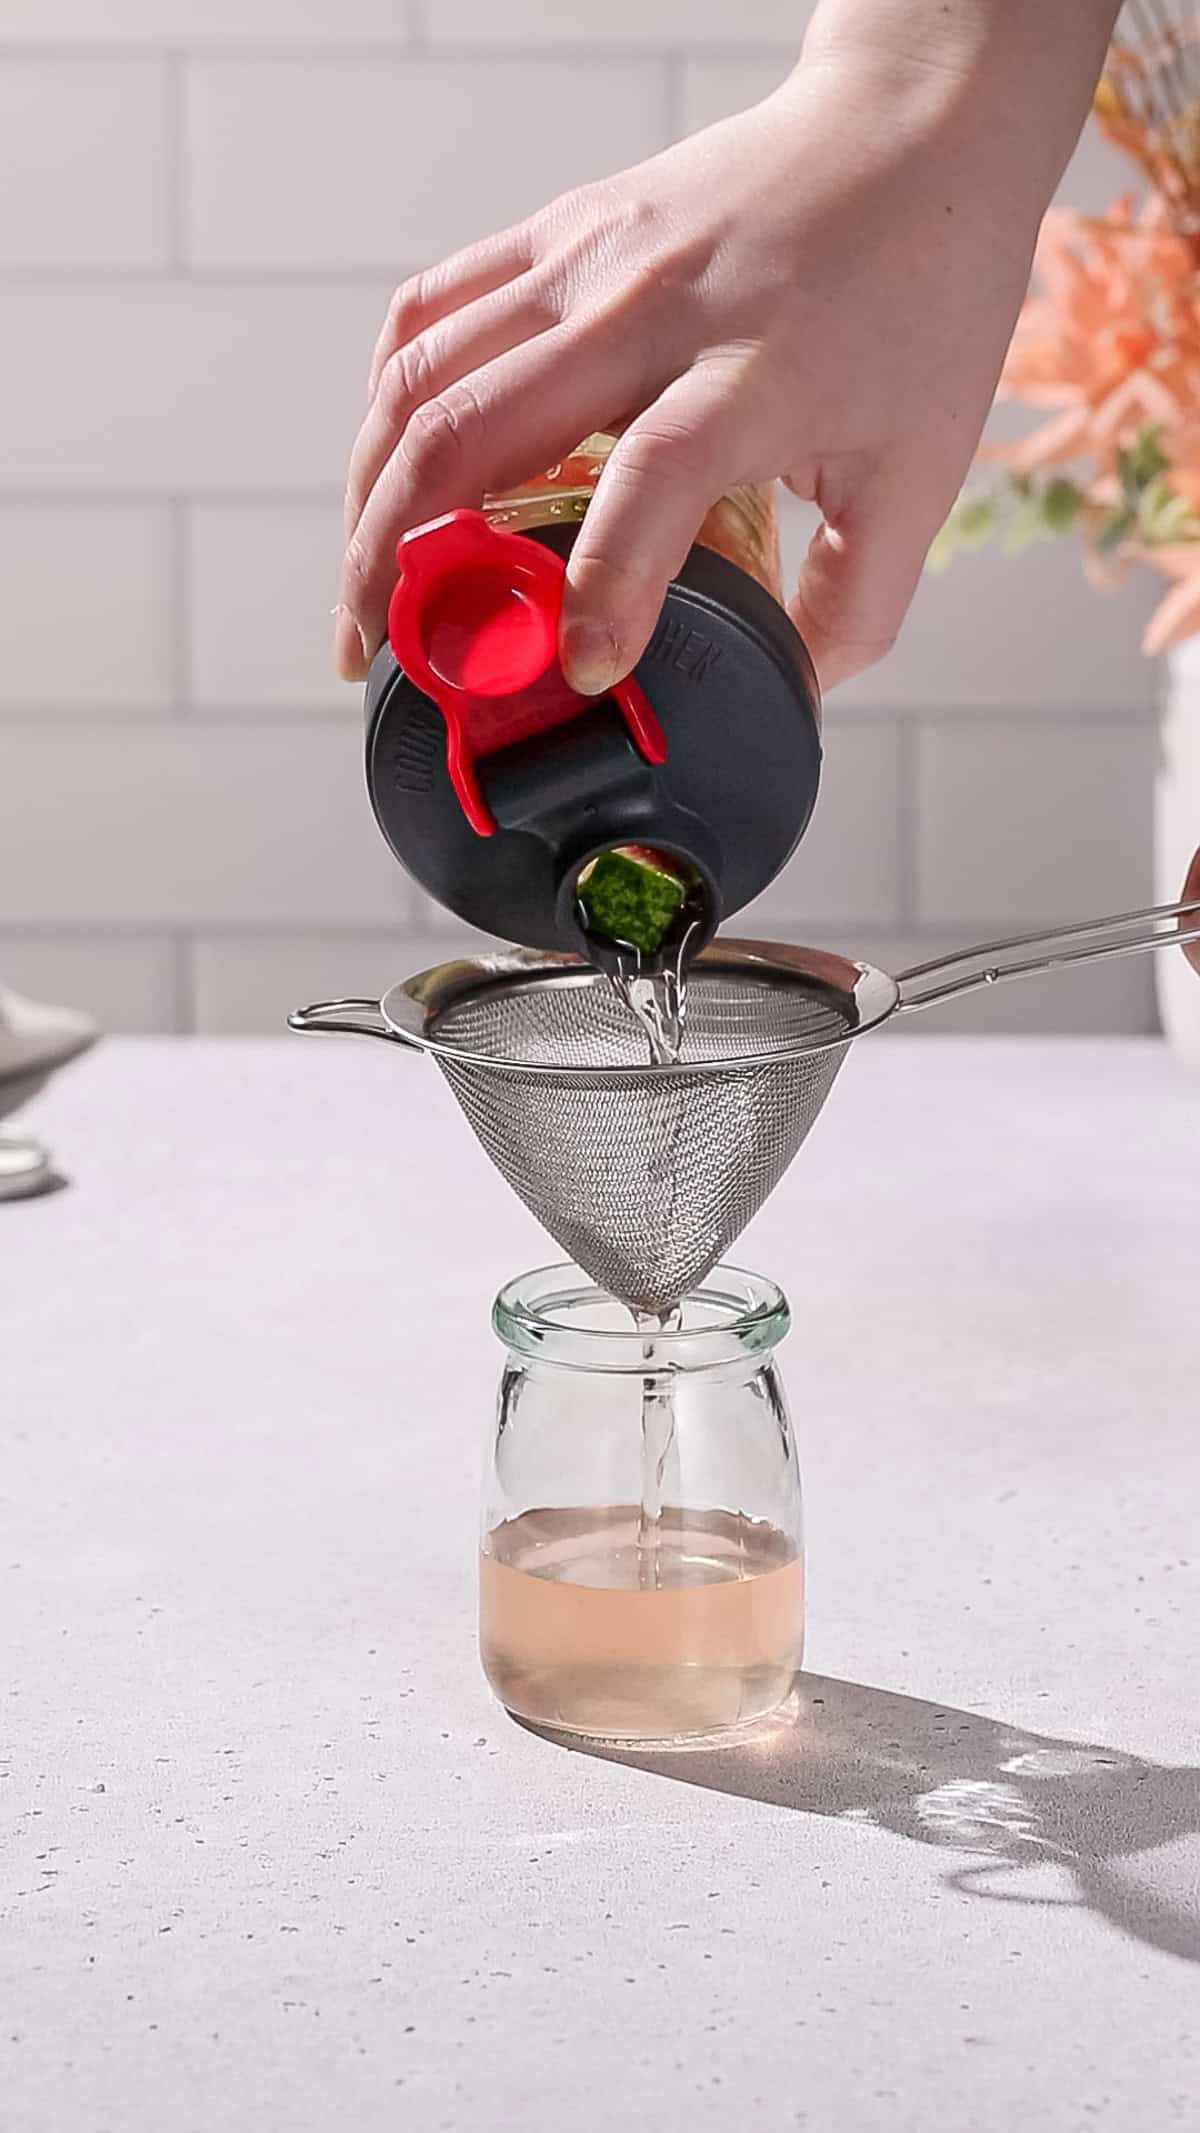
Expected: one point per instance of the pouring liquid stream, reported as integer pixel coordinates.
(658, 1436)
(657, 998)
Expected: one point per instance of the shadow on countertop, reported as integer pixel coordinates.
(1016, 1801)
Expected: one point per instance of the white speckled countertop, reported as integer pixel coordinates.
(270, 1857)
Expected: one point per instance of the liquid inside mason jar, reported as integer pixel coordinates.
(574, 1639)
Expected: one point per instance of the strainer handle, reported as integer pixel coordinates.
(993, 962)
(348, 1018)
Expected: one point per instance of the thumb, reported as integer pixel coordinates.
(858, 578)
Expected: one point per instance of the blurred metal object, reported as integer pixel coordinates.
(35, 1041)
(25, 1167)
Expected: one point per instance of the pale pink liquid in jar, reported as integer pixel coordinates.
(575, 1638)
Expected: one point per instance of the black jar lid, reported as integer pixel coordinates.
(736, 694)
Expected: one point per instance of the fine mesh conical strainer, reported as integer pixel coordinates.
(646, 1175)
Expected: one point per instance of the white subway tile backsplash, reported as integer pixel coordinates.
(200, 22)
(717, 88)
(436, 936)
(263, 579)
(191, 824)
(83, 159)
(186, 385)
(997, 630)
(265, 135)
(1095, 175)
(1032, 818)
(248, 984)
(672, 23)
(85, 616)
(1101, 999)
(128, 984)
(849, 867)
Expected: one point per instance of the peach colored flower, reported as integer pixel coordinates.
(1109, 343)
(1112, 338)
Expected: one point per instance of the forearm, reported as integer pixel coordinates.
(1007, 84)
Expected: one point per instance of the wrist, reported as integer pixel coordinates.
(1006, 84)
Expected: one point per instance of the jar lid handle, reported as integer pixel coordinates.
(473, 621)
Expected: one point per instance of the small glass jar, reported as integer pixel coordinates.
(642, 1569)
(743, 527)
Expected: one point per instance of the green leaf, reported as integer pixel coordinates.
(969, 525)
(976, 518)
(1042, 511)
(1140, 464)
(1025, 525)
(1062, 501)
(941, 551)
(1115, 530)
(1163, 516)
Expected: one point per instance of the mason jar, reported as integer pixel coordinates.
(742, 526)
(642, 1569)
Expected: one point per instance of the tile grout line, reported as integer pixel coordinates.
(673, 97)
(336, 710)
(136, 495)
(179, 605)
(183, 984)
(185, 273)
(219, 718)
(414, 36)
(175, 174)
(908, 743)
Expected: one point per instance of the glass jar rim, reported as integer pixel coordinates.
(550, 1314)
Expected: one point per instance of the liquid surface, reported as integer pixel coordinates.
(573, 1638)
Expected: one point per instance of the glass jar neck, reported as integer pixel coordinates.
(555, 1315)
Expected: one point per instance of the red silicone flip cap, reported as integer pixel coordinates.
(473, 622)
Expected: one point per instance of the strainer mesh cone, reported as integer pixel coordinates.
(644, 1175)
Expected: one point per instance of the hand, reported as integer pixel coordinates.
(822, 288)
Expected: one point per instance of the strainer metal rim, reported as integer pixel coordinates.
(867, 997)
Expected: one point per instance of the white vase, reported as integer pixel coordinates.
(1176, 837)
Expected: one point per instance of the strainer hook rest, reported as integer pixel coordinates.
(347, 1018)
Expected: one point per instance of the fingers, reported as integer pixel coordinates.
(426, 298)
(665, 473)
(859, 577)
(1191, 894)
(520, 412)
(424, 366)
